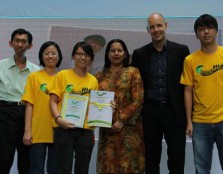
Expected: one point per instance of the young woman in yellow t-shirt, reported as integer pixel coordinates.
(38, 119)
(68, 138)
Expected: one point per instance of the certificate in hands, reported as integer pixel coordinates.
(100, 110)
(74, 109)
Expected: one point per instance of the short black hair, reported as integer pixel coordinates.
(205, 20)
(46, 45)
(21, 31)
(97, 38)
(86, 47)
(108, 47)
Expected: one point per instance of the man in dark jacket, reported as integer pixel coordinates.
(160, 63)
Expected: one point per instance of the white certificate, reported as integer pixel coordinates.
(100, 110)
(74, 109)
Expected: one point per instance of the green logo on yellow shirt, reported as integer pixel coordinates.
(199, 70)
(43, 87)
(83, 91)
(69, 88)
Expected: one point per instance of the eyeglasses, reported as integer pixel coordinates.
(78, 54)
(53, 54)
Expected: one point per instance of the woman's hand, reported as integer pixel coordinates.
(117, 126)
(27, 137)
(65, 124)
(113, 105)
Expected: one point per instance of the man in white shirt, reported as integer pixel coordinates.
(13, 74)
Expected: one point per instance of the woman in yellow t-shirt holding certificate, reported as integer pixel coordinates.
(73, 85)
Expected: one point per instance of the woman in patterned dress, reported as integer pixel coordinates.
(121, 147)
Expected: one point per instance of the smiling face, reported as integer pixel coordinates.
(156, 27)
(50, 57)
(116, 54)
(81, 59)
(20, 44)
(206, 35)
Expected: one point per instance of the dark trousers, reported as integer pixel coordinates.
(158, 123)
(41, 154)
(80, 141)
(11, 135)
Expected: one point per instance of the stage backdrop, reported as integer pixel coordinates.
(67, 31)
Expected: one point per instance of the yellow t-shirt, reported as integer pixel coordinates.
(204, 72)
(66, 81)
(37, 93)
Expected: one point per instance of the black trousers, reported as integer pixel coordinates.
(158, 123)
(11, 135)
(73, 141)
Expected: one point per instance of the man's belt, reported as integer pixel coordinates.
(10, 103)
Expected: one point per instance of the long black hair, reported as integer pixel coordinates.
(108, 47)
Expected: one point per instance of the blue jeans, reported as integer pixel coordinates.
(39, 152)
(204, 137)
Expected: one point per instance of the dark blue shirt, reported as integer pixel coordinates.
(157, 86)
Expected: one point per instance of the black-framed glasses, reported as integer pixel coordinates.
(79, 54)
